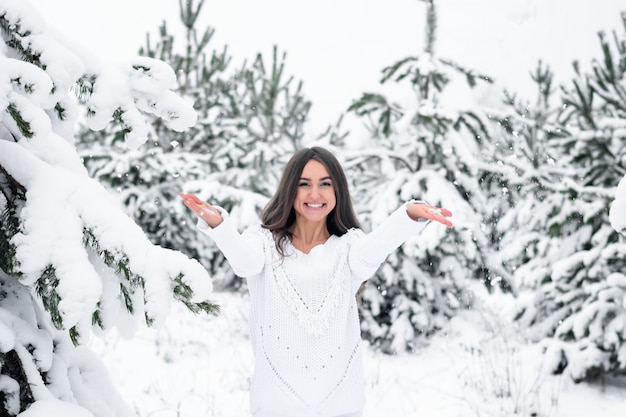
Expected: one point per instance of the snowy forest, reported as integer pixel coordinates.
(94, 238)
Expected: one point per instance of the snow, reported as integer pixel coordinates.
(617, 215)
(55, 408)
(478, 365)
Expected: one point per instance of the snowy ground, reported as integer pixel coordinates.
(200, 366)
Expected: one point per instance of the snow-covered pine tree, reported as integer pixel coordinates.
(250, 120)
(579, 303)
(427, 152)
(522, 179)
(71, 261)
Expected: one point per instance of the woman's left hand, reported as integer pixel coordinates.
(418, 211)
(204, 210)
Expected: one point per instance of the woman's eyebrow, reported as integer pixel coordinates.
(321, 179)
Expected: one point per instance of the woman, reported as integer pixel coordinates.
(304, 265)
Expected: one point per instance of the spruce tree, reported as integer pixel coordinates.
(251, 120)
(428, 152)
(71, 262)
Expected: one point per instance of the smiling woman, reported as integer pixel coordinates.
(304, 266)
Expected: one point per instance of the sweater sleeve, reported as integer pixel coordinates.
(244, 252)
(369, 251)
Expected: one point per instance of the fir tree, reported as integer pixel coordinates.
(423, 151)
(71, 262)
(250, 121)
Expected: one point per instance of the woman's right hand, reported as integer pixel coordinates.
(204, 210)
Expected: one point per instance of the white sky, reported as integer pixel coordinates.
(339, 47)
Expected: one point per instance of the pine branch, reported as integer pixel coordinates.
(391, 71)
(363, 156)
(14, 186)
(96, 317)
(46, 286)
(478, 128)
(371, 103)
(189, 15)
(15, 37)
(431, 27)
(22, 124)
(83, 87)
(9, 227)
(471, 76)
(183, 293)
(120, 265)
(12, 367)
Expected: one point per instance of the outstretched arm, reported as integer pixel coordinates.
(244, 253)
(367, 253)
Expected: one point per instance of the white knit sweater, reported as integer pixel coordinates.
(304, 323)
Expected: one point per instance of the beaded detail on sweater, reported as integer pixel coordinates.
(313, 309)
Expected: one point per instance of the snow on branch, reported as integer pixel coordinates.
(61, 208)
(617, 214)
(35, 87)
(123, 92)
(75, 247)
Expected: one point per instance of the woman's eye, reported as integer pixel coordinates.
(326, 184)
(303, 184)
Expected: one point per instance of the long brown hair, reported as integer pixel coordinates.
(279, 214)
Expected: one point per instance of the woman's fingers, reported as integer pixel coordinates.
(202, 209)
(439, 214)
(191, 197)
(193, 203)
(445, 221)
(420, 210)
(446, 212)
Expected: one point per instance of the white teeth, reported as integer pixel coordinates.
(314, 205)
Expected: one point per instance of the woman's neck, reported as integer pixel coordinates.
(306, 235)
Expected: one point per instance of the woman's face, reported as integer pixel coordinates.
(315, 197)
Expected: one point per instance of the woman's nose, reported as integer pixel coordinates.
(315, 191)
